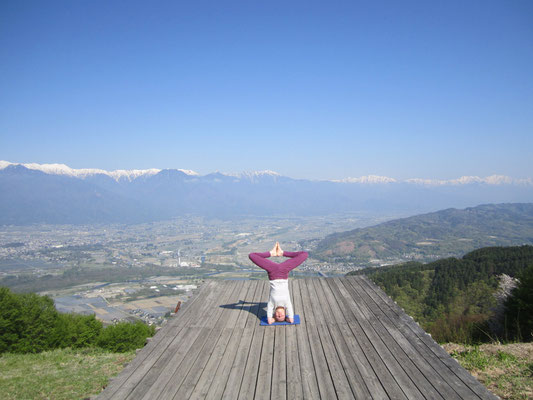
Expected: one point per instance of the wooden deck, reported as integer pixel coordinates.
(353, 342)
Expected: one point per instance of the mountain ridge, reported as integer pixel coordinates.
(32, 196)
(446, 233)
(63, 169)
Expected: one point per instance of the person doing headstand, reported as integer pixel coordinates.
(279, 306)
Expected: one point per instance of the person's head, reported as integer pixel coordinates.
(279, 314)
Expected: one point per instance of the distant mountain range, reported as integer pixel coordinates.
(57, 194)
(435, 235)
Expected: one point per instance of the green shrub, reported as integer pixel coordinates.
(75, 331)
(30, 323)
(125, 336)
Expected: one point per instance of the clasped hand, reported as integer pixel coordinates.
(276, 251)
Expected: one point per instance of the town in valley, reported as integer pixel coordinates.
(142, 271)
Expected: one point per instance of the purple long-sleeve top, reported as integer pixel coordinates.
(281, 270)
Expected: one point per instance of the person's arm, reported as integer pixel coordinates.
(296, 258)
(270, 311)
(289, 312)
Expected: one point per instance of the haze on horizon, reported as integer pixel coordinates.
(307, 89)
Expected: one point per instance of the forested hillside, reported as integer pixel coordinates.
(446, 233)
(454, 299)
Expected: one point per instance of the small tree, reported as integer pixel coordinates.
(519, 308)
(26, 321)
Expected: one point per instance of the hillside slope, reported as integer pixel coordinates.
(455, 299)
(446, 233)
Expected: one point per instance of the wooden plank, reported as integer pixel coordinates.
(368, 375)
(116, 383)
(399, 364)
(184, 379)
(217, 368)
(249, 379)
(279, 366)
(202, 371)
(333, 320)
(365, 338)
(406, 322)
(149, 370)
(221, 376)
(197, 326)
(264, 375)
(294, 378)
(445, 376)
(171, 377)
(336, 369)
(432, 384)
(325, 382)
(232, 386)
(309, 384)
(151, 354)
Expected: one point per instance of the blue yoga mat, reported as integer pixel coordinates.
(264, 321)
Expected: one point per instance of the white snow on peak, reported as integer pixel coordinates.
(255, 174)
(62, 169)
(4, 164)
(189, 172)
(465, 180)
(132, 173)
(421, 181)
(368, 179)
(499, 180)
(119, 174)
(251, 174)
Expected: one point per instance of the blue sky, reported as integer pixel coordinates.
(320, 90)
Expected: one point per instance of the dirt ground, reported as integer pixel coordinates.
(521, 350)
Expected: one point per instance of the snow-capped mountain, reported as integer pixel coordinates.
(255, 176)
(56, 193)
(372, 179)
(62, 169)
(467, 180)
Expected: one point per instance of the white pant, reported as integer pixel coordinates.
(279, 297)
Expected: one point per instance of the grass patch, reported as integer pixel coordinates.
(506, 370)
(59, 374)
